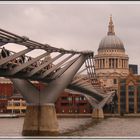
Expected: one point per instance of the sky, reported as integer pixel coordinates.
(74, 26)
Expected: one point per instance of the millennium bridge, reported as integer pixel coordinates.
(59, 69)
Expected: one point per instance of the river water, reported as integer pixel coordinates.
(109, 127)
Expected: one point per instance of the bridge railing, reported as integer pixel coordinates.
(20, 60)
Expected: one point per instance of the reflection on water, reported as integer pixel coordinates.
(80, 127)
(113, 127)
(13, 126)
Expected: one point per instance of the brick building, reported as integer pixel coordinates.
(129, 94)
(10, 101)
(72, 103)
(6, 91)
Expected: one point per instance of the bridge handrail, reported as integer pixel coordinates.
(8, 37)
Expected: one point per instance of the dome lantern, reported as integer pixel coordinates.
(111, 27)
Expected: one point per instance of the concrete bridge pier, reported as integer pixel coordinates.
(98, 113)
(40, 120)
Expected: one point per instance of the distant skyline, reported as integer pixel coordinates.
(75, 26)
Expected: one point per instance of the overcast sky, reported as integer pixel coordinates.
(74, 26)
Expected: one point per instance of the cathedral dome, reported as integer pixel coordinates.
(111, 41)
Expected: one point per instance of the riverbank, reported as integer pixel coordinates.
(73, 115)
(106, 115)
(9, 116)
(137, 115)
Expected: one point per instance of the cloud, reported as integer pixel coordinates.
(74, 26)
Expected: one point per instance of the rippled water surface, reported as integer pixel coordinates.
(80, 127)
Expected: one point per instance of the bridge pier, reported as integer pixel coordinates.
(98, 113)
(40, 120)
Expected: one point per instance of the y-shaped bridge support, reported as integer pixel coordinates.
(98, 111)
(40, 116)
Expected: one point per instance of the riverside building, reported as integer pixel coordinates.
(129, 94)
(11, 100)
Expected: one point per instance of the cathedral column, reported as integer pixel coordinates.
(122, 63)
(118, 63)
(115, 63)
(107, 63)
(100, 63)
(111, 63)
(103, 63)
(127, 64)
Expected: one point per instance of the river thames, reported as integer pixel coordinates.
(109, 127)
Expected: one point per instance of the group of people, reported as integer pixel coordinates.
(23, 59)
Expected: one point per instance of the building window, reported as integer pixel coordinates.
(70, 110)
(23, 104)
(84, 98)
(77, 99)
(82, 104)
(64, 98)
(17, 104)
(70, 98)
(65, 104)
(10, 104)
(115, 81)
